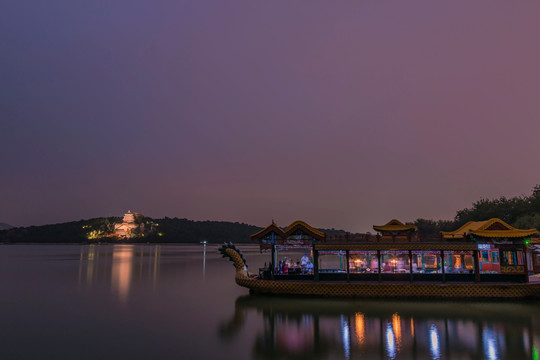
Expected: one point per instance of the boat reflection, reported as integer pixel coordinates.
(347, 329)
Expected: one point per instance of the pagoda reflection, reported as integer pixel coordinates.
(343, 329)
(118, 265)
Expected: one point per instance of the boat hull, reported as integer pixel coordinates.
(391, 290)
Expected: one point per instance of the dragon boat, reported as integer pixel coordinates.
(491, 261)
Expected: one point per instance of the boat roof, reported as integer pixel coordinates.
(395, 225)
(289, 230)
(458, 246)
(492, 228)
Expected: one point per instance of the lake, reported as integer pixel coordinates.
(176, 301)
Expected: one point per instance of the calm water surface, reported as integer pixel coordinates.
(170, 301)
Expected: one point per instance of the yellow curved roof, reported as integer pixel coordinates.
(464, 229)
(299, 223)
(272, 227)
(395, 225)
(288, 230)
(495, 228)
(505, 233)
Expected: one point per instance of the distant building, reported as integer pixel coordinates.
(131, 225)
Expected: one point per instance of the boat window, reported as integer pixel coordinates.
(495, 257)
(489, 262)
(459, 262)
(395, 262)
(427, 262)
(363, 261)
(332, 262)
(511, 257)
(290, 260)
(430, 261)
(484, 256)
(469, 262)
(536, 258)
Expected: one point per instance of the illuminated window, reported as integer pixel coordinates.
(511, 257)
(395, 261)
(426, 262)
(363, 261)
(459, 262)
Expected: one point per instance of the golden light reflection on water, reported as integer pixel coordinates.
(118, 265)
(87, 264)
(360, 322)
(122, 265)
(396, 324)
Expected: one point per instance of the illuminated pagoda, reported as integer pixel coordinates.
(395, 230)
(130, 226)
(502, 248)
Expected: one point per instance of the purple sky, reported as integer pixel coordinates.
(343, 114)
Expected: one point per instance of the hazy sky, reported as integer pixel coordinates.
(344, 114)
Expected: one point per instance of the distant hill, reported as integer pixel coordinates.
(165, 230)
(4, 226)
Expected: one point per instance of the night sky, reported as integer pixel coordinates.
(343, 114)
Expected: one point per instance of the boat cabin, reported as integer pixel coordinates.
(292, 247)
(503, 249)
(484, 251)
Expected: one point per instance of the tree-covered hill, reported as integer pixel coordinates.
(70, 232)
(189, 231)
(4, 226)
(520, 211)
(166, 230)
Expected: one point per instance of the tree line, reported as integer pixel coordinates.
(520, 211)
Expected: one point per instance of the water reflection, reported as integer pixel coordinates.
(490, 344)
(117, 265)
(434, 347)
(204, 243)
(346, 337)
(122, 264)
(340, 329)
(390, 342)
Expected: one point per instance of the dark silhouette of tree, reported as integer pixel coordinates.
(519, 211)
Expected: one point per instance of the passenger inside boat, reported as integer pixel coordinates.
(308, 270)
